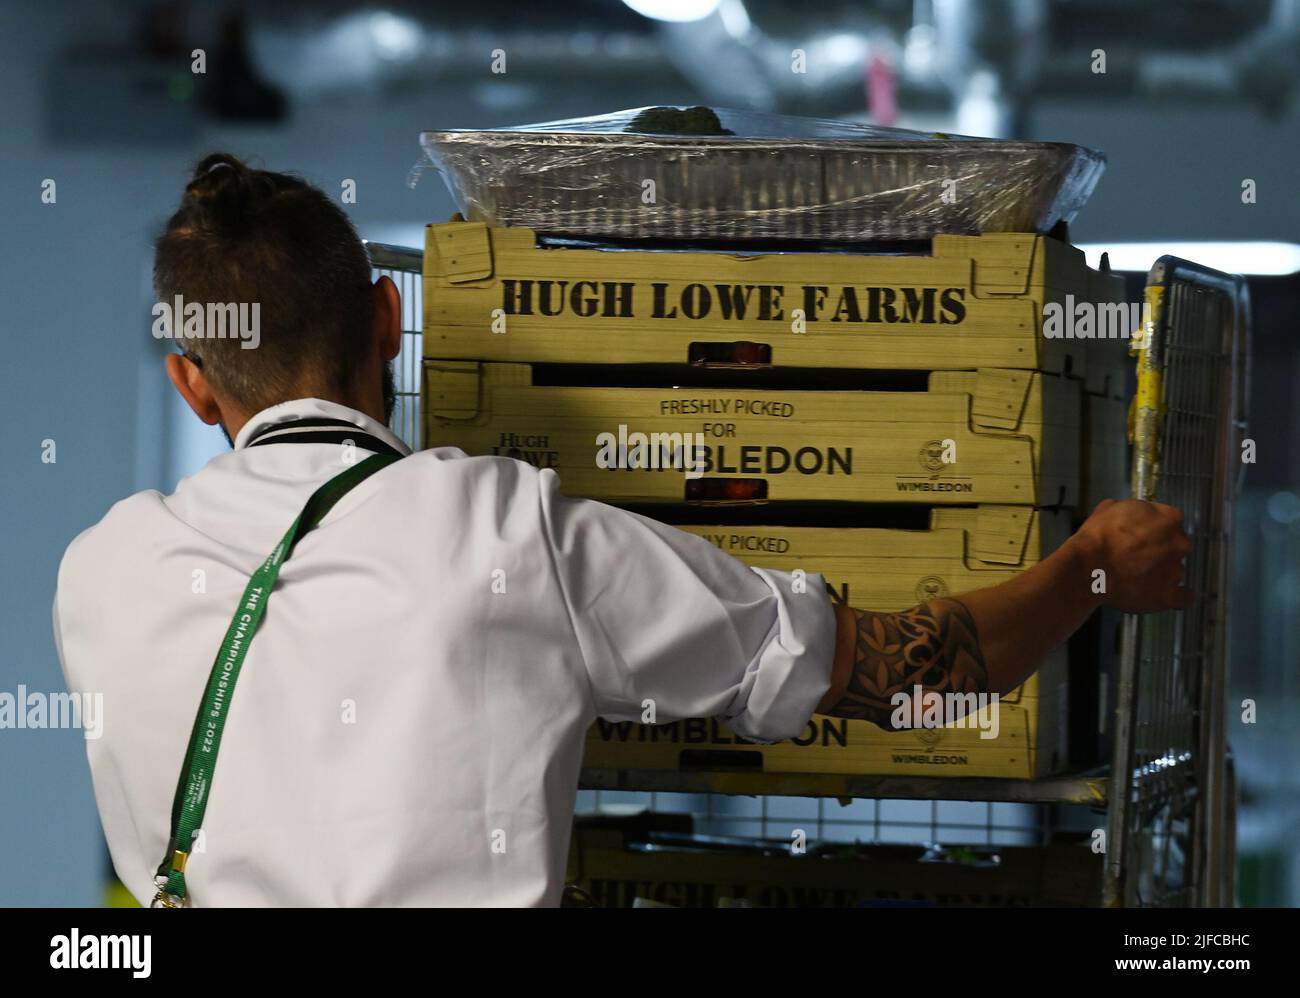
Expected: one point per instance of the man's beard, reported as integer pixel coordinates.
(390, 401)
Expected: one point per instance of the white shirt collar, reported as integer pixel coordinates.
(316, 408)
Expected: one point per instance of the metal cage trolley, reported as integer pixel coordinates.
(1172, 800)
(402, 266)
(1169, 792)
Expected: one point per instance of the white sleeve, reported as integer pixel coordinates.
(665, 616)
(58, 638)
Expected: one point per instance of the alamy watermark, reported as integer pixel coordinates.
(179, 319)
(24, 709)
(1086, 320)
(93, 951)
(924, 708)
(652, 451)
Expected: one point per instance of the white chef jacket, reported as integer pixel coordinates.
(402, 733)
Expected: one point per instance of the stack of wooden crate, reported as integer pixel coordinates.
(610, 862)
(897, 422)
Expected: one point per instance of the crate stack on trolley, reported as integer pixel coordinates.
(868, 395)
(916, 405)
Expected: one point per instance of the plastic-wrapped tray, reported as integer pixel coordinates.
(774, 178)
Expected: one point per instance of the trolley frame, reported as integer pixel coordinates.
(1170, 793)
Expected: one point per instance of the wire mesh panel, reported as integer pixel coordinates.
(403, 265)
(824, 820)
(1168, 807)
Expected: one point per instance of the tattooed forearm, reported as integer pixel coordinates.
(934, 646)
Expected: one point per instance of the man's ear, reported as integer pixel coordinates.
(193, 386)
(387, 328)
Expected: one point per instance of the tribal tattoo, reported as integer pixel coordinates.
(934, 646)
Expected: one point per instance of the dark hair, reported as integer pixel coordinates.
(252, 236)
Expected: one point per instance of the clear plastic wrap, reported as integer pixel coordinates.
(775, 178)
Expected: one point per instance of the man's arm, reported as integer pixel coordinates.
(991, 640)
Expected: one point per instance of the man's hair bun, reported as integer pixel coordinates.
(223, 191)
(216, 172)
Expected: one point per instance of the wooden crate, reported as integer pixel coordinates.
(1105, 473)
(878, 568)
(973, 302)
(1014, 435)
(881, 569)
(606, 864)
(1107, 363)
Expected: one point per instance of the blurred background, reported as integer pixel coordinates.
(1196, 98)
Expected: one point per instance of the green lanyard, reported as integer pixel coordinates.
(192, 790)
